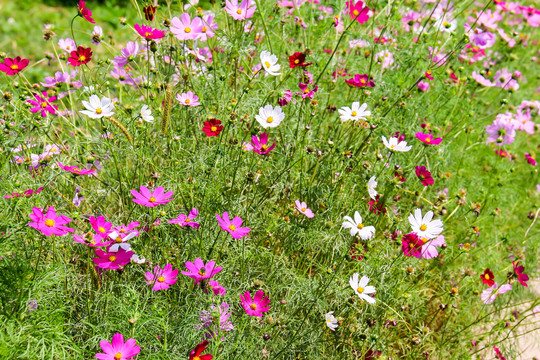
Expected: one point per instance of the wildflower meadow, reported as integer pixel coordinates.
(262, 179)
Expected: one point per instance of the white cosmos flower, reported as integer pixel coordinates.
(371, 185)
(357, 227)
(356, 112)
(137, 259)
(120, 243)
(446, 25)
(395, 145)
(270, 116)
(361, 288)
(96, 108)
(146, 114)
(331, 321)
(269, 63)
(424, 226)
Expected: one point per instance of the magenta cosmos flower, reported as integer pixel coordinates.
(260, 144)
(162, 278)
(85, 13)
(112, 260)
(360, 81)
(199, 271)
(43, 104)
(411, 245)
(102, 227)
(76, 170)
(49, 223)
(427, 138)
(184, 220)
(244, 11)
(151, 199)
(188, 99)
(233, 227)
(91, 239)
(357, 11)
(424, 175)
(306, 92)
(117, 349)
(13, 66)
(522, 277)
(185, 29)
(149, 33)
(302, 207)
(257, 306)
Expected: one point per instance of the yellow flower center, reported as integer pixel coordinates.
(354, 113)
(204, 29)
(425, 240)
(363, 81)
(213, 128)
(239, 11)
(355, 12)
(187, 101)
(411, 245)
(44, 105)
(118, 240)
(264, 147)
(392, 146)
(360, 226)
(49, 222)
(267, 64)
(152, 199)
(122, 231)
(187, 220)
(428, 139)
(14, 67)
(232, 227)
(161, 279)
(423, 227)
(196, 358)
(487, 276)
(296, 61)
(99, 111)
(101, 229)
(117, 356)
(270, 120)
(82, 58)
(147, 34)
(253, 306)
(360, 290)
(111, 259)
(187, 30)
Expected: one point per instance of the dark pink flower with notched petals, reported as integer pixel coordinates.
(424, 175)
(256, 306)
(200, 271)
(518, 270)
(260, 144)
(162, 278)
(149, 33)
(85, 13)
(12, 66)
(411, 245)
(117, 349)
(233, 227)
(360, 81)
(151, 199)
(49, 223)
(112, 260)
(187, 220)
(428, 138)
(530, 159)
(43, 104)
(76, 170)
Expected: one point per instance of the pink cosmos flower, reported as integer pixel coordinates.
(482, 80)
(112, 260)
(216, 288)
(100, 226)
(530, 159)
(285, 98)
(124, 230)
(257, 306)
(498, 353)
(306, 92)
(428, 138)
(188, 99)
(184, 220)
(77, 171)
(49, 223)
(411, 245)
(128, 53)
(91, 239)
(151, 199)
(162, 278)
(523, 121)
(357, 11)
(490, 294)
(302, 207)
(429, 249)
(360, 81)
(13, 66)
(489, 19)
(185, 29)
(385, 58)
(240, 12)
(500, 132)
(43, 104)
(67, 44)
(199, 271)
(233, 227)
(424, 175)
(208, 28)
(423, 85)
(260, 144)
(518, 270)
(117, 349)
(149, 33)
(85, 13)
(27, 193)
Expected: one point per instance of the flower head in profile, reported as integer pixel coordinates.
(49, 223)
(91, 239)
(427, 139)
(80, 56)
(216, 288)
(151, 199)
(97, 108)
(117, 349)
(270, 116)
(232, 227)
(490, 294)
(395, 144)
(256, 306)
(85, 13)
(424, 175)
(331, 321)
(112, 260)
(371, 187)
(518, 271)
(12, 66)
(270, 63)
(260, 144)
(244, 11)
(200, 271)
(361, 288)
(162, 279)
(195, 354)
(76, 170)
(425, 226)
(43, 104)
(360, 81)
(530, 159)
(355, 112)
(488, 278)
(411, 245)
(298, 59)
(302, 207)
(212, 127)
(148, 32)
(187, 220)
(358, 11)
(188, 99)
(357, 227)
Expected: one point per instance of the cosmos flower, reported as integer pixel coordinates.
(91, 239)
(490, 294)
(12, 66)
(216, 288)
(371, 187)
(298, 59)
(394, 144)
(43, 104)
(424, 226)
(117, 349)
(162, 279)
(146, 114)
(185, 29)
(120, 242)
(200, 271)
(488, 278)
(233, 227)
(331, 321)
(530, 159)
(151, 199)
(500, 132)
(184, 220)
(256, 306)
(260, 144)
(188, 99)
(97, 108)
(148, 32)
(112, 260)
(411, 245)
(195, 354)
(356, 112)
(306, 92)
(429, 249)
(428, 138)
(302, 207)
(49, 223)
(270, 116)
(357, 11)
(76, 170)
(270, 63)
(357, 227)
(80, 56)
(360, 81)
(85, 13)
(212, 127)
(244, 11)
(209, 26)
(424, 175)
(361, 288)
(518, 271)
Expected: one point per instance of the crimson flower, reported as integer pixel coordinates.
(85, 13)
(149, 33)
(424, 175)
(196, 353)
(298, 59)
(518, 270)
(80, 57)
(360, 81)
(357, 11)
(13, 66)
(149, 12)
(411, 245)
(376, 206)
(487, 278)
(212, 127)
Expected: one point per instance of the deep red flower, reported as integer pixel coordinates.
(518, 270)
(360, 81)
(400, 177)
(424, 175)
(411, 245)
(356, 251)
(488, 278)
(149, 33)
(212, 127)
(149, 12)
(85, 13)
(375, 206)
(81, 56)
(196, 353)
(298, 59)
(13, 66)
(358, 11)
